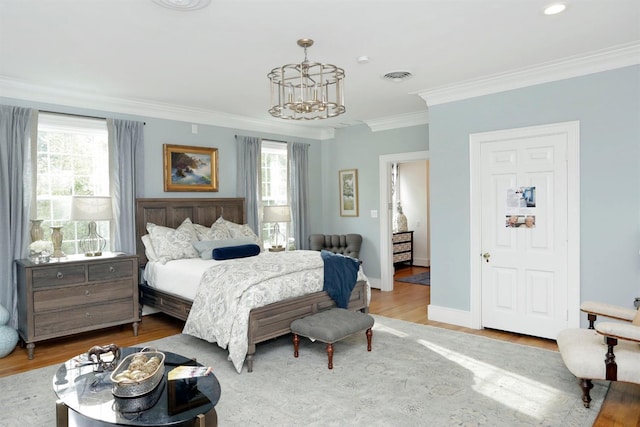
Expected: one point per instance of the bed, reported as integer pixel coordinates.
(264, 322)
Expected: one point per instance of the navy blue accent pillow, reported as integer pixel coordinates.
(231, 252)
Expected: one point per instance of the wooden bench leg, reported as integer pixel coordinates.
(296, 344)
(330, 354)
(369, 335)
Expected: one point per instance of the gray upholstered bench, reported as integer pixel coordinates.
(330, 326)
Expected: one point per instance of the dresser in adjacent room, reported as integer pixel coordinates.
(76, 294)
(403, 247)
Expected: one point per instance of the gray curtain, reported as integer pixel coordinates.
(248, 177)
(298, 155)
(15, 199)
(126, 152)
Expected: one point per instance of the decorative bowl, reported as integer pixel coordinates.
(137, 382)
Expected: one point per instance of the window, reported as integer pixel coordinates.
(72, 159)
(274, 181)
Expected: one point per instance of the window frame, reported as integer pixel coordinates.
(96, 183)
(278, 148)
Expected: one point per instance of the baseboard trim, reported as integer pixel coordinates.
(421, 262)
(450, 315)
(375, 282)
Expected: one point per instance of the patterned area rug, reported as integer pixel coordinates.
(415, 375)
(418, 279)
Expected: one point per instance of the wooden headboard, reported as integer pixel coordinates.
(171, 213)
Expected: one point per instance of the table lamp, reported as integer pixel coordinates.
(92, 209)
(276, 214)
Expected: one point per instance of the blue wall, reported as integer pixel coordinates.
(354, 147)
(357, 147)
(607, 105)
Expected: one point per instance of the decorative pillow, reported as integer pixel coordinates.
(237, 230)
(201, 231)
(148, 248)
(231, 252)
(217, 231)
(172, 243)
(205, 247)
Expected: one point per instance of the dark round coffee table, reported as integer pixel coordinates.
(87, 391)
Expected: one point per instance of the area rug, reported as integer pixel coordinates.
(418, 279)
(415, 375)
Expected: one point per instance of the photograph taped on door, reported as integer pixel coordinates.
(520, 221)
(521, 207)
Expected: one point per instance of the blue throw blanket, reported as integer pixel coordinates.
(340, 275)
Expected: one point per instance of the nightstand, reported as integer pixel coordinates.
(76, 294)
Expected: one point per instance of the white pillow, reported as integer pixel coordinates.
(217, 231)
(172, 243)
(237, 230)
(148, 248)
(206, 247)
(201, 231)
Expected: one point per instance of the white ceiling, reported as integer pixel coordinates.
(211, 64)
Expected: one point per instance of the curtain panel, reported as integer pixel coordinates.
(15, 199)
(248, 180)
(126, 156)
(298, 155)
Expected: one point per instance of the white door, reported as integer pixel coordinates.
(524, 225)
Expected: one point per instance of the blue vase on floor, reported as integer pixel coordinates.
(8, 335)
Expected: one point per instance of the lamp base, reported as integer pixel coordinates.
(276, 248)
(93, 244)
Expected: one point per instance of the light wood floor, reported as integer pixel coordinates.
(407, 302)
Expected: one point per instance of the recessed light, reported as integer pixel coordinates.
(555, 8)
(364, 59)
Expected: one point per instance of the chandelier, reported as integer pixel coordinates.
(306, 91)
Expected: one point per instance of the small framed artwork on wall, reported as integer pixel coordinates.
(188, 168)
(348, 185)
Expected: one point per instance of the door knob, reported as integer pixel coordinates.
(486, 256)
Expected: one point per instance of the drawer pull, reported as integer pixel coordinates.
(59, 275)
(111, 269)
(87, 293)
(88, 314)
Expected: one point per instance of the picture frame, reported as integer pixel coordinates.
(190, 168)
(348, 190)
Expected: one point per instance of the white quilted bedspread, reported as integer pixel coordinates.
(230, 289)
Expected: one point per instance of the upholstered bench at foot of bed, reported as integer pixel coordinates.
(330, 326)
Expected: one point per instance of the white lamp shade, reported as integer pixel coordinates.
(91, 208)
(276, 214)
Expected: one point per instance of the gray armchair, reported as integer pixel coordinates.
(345, 244)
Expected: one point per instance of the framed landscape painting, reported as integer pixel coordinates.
(348, 182)
(188, 168)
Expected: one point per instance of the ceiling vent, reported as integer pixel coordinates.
(183, 4)
(397, 76)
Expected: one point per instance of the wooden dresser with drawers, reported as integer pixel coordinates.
(76, 294)
(403, 247)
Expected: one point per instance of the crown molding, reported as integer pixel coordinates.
(400, 121)
(12, 88)
(580, 65)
